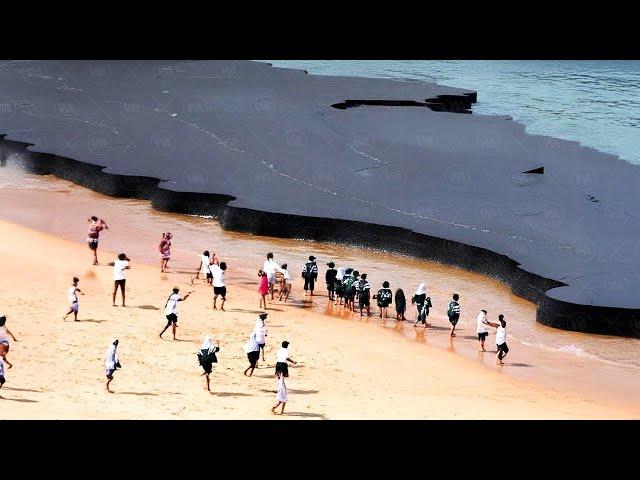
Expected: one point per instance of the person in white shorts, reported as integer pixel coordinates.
(219, 287)
(73, 300)
(270, 267)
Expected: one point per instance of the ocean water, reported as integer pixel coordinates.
(596, 103)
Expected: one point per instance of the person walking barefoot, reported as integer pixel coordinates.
(171, 310)
(261, 332)
(501, 339)
(253, 353)
(5, 333)
(207, 357)
(263, 289)
(481, 328)
(281, 395)
(219, 287)
(96, 225)
(453, 312)
(286, 283)
(73, 300)
(165, 251)
(111, 362)
(401, 304)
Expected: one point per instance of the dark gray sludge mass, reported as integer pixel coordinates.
(383, 163)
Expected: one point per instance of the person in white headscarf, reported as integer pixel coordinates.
(261, 332)
(111, 362)
(253, 353)
(422, 303)
(207, 357)
(339, 288)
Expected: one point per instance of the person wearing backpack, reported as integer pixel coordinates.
(384, 297)
(422, 303)
(207, 357)
(349, 288)
(339, 287)
(310, 275)
(453, 312)
(330, 279)
(363, 290)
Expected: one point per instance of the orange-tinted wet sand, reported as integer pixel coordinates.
(354, 367)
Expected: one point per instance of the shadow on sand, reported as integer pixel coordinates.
(90, 320)
(139, 394)
(148, 307)
(305, 415)
(231, 394)
(23, 400)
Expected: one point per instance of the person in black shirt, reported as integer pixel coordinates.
(310, 275)
(330, 278)
(401, 305)
(363, 290)
(422, 303)
(384, 297)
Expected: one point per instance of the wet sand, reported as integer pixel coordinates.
(62, 207)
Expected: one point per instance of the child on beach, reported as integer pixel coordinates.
(330, 279)
(2, 379)
(165, 250)
(119, 277)
(422, 303)
(339, 288)
(453, 312)
(481, 328)
(5, 333)
(401, 304)
(261, 332)
(219, 287)
(281, 395)
(310, 275)
(263, 289)
(501, 339)
(384, 297)
(282, 357)
(96, 225)
(270, 267)
(207, 357)
(363, 290)
(286, 283)
(253, 353)
(73, 300)
(204, 268)
(171, 310)
(111, 362)
(349, 290)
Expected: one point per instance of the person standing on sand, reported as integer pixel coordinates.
(422, 303)
(350, 279)
(453, 312)
(261, 332)
(171, 310)
(5, 333)
(339, 288)
(253, 353)
(207, 357)
(481, 328)
(111, 362)
(73, 300)
(2, 379)
(219, 287)
(282, 357)
(501, 339)
(204, 268)
(96, 225)
(119, 276)
(401, 304)
(286, 283)
(363, 289)
(165, 250)
(270, 267)
(384, 298)
(330, 279)
(281, 395)
(310, 275)
(263, 289)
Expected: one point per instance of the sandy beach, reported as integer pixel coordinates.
(346, 369)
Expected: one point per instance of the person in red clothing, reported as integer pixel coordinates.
(263, 289)
(96, 225)
(165, 250)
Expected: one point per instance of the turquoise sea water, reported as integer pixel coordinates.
(596, 103)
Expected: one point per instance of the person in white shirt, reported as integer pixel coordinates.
(286, 282)
(481, 328)
(270, 267)
(204, 267)
(253, 353)
(282, 357)
(111, 362)
(2, 379)
(5, 333)
(281, 395)
(171, 310)
(73, 300)
(261, 332)
(119, 277)
(219, 287)
(501, 339)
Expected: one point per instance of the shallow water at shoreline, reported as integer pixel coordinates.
(61, 208)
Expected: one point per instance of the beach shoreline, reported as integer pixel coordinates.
(381, 379)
